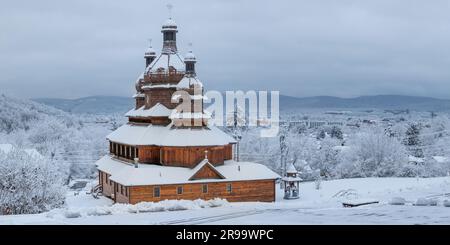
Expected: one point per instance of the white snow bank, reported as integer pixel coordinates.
(426, 202)
(70, 214)
(142, 207)
(446, 203)
(397, 201)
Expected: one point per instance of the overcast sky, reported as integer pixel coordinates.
(71, 49)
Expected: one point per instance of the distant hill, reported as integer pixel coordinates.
(21, 114)
(374, 102)
(116, 104)
(92, 105)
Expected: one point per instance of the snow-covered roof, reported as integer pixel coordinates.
(188, 81)
(190, 56)
(150, 52)
(151, 174)
(139, 95)
(158, 110)
(7, 148)
(190, 115)
(169, 24)
(291, 169)
(292, 179)
(132, 134)
(165, 60)
(166, 85)
(201, 165)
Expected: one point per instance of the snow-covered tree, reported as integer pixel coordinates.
(372, 153)
(74, 142)
(327, 157)
(284, 149)
(29, 183)
(412, 140)
(336, 132)
(322, 134)
(236, 124)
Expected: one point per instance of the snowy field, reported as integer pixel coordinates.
(323, 206)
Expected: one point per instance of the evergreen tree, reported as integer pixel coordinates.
(412, 140)
(322, 134)
(336, 132)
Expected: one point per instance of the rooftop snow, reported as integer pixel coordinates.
(292, 169)
(150, 52)
(190, 115)
(165, 60)
(158, 110)
(169, 23)
(167, 85)
(190, 56)
(168, 136)
(149, 174)
(292, 179)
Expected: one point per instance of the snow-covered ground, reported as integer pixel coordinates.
(323, 206)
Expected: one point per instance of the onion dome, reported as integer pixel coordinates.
(190, 60)
(150, 52)
(169, 30)
(169, 24)
(190, 56)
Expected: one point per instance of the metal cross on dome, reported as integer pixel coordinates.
(150, 42)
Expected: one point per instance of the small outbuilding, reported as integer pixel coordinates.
(291, 183)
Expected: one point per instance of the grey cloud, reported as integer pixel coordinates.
(302, 48)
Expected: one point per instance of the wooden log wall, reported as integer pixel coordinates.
(106, 183)
(140, 102)
(160, 95)
(228, 152)
(241, 191)
(149, 154)
(172, 156)
(191, 156)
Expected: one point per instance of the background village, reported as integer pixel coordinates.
(340, 155)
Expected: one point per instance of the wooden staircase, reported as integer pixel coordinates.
(97, 191)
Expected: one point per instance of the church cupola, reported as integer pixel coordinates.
(169, 30)
(190, 60)
(150, 55)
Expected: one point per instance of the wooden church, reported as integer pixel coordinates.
(164, 153)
